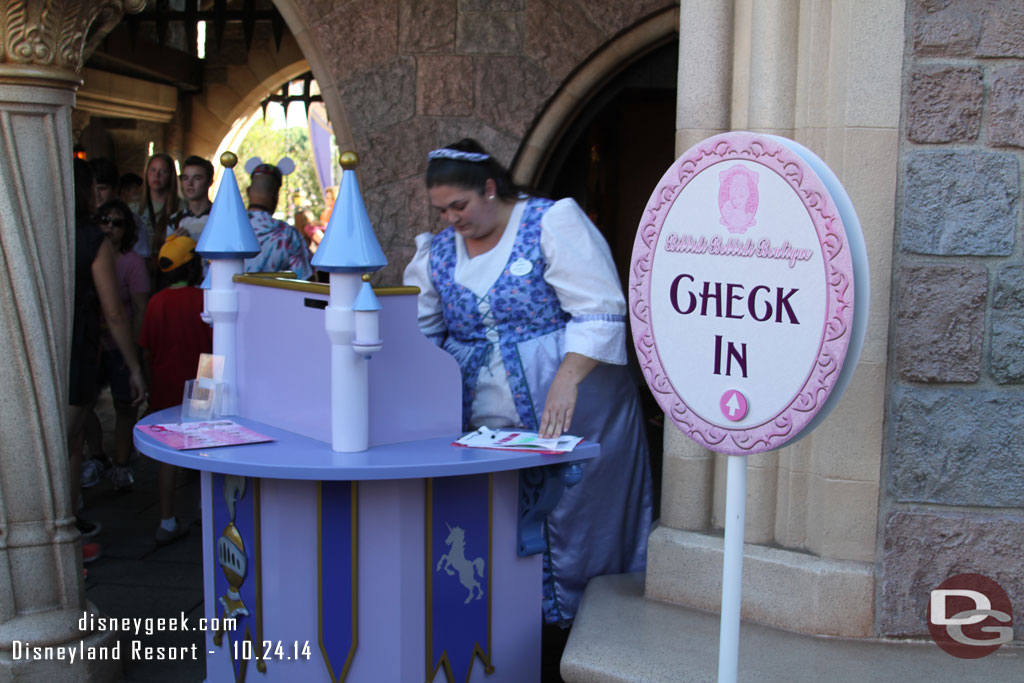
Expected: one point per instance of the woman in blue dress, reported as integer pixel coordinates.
(523, 292)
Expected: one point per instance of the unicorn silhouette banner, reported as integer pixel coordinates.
(458, 549)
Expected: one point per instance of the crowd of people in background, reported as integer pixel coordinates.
(137, 329)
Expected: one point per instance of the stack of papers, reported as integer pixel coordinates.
(518, 440)
(185, 436)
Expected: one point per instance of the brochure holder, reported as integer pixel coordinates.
(201, 400)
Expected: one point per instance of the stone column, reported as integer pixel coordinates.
(774, 42)
(702, 110)
(828, 75)
(41, 591)
(694, 492)
(705, 71)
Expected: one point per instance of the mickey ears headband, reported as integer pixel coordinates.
(255, 166)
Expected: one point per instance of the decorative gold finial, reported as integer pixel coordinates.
(228, 159)
(348, 160)
(366, 277)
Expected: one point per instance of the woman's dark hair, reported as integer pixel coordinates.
(131, 230)
(84, 197)
(471, 175)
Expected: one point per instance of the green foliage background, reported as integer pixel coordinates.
(270, 144)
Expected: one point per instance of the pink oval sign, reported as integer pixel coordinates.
(741, 293)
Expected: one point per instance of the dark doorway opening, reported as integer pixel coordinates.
(609, 159)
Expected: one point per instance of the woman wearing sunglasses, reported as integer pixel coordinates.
(117, 223)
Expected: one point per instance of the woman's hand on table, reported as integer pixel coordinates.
(561, 399)
(558, 407)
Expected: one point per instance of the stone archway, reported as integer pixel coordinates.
(223, 106)
(225, 132)
(583, 85)
(220, 111)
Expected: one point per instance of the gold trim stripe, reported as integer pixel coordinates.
(428, 578)
(488, 667)
(261, 664)
(288, 281)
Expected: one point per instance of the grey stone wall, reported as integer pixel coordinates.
(416, 74)
(954, 463)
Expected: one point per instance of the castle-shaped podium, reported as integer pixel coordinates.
(381, 553)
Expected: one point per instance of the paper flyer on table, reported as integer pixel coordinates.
(518, 440)
(185, 436)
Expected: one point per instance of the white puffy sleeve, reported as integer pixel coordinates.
(417, 274)
(581, 271)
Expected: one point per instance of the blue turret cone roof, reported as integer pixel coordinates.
(366, 300)
(349, 245)
(228, 233)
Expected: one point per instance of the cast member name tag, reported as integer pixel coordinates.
(742, 292)
(520, 267)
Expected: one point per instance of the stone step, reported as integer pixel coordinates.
(621, 637)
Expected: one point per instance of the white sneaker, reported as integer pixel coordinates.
(163, 536)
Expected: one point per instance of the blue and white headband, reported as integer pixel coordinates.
(448, 153)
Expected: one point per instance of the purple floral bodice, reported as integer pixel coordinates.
(517, 307)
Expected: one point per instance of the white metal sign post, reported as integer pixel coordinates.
(748, 301)
(732, 569)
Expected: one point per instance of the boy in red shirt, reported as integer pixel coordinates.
(172, 337)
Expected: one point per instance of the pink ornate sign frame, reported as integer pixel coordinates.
(836, 282)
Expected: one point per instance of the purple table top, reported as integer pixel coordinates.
(291, 456)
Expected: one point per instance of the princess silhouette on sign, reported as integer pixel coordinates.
(738, 198)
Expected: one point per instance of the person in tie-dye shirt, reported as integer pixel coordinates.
(281, 246)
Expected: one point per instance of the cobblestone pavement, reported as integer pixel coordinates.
(135, 578)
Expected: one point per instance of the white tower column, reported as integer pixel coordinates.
(349, 250)
(222, 306)
(350, 392)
